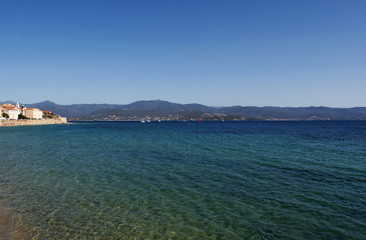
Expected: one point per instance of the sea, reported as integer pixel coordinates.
(184, 180)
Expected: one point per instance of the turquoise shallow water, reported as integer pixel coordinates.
(175, 180)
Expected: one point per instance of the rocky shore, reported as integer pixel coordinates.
(28, 122)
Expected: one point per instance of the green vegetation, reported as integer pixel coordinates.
(5, 115)
(49, 115)
(21, 116)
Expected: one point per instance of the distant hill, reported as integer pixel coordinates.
(167, 106)
(190, 111)
(70, 111)
(159, 109)
(300, 113)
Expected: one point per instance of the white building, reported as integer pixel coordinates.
(12, 111)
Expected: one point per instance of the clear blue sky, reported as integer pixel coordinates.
(218, 53)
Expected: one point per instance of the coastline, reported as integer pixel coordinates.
(27, 122)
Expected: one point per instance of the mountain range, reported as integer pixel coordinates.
(163, 110)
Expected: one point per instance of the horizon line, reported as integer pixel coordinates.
(156, 100)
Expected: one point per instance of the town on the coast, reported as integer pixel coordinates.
(15, 115)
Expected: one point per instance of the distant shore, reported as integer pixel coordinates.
(28, 122)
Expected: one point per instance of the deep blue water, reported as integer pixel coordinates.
(175, 180)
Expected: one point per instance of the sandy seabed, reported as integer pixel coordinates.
(8, 229)
(5, 225)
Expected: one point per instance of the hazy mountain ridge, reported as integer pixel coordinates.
(165, 109)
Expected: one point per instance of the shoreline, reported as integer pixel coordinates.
(28, 122)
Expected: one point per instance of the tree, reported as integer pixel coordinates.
(5, 115)
(21, 116)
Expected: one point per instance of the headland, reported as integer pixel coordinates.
(16, 115)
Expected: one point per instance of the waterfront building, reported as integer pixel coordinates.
(12, 110)
(33, 113)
